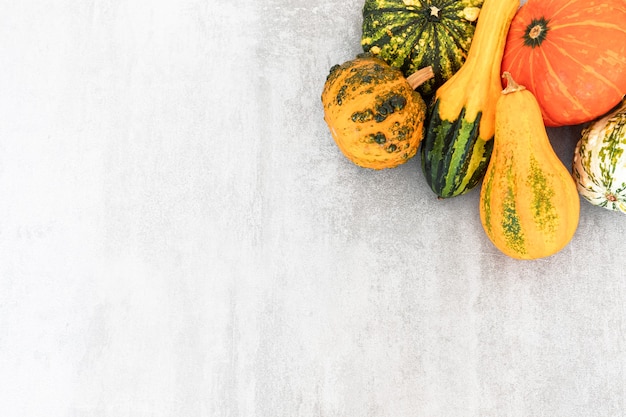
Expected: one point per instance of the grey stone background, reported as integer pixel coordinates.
(179, 236)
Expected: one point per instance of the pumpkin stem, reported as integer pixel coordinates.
(420, 77)
(511, 85)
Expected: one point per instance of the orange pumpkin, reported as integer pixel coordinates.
(571, 54)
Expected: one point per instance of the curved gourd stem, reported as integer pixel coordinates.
(420, 77)
(511, 85)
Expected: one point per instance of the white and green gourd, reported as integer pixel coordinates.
(599, 166)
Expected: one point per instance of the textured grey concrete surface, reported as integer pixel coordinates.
(179, 236)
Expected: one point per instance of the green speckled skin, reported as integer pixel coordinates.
(374, 115)
(511, 225)
(414, 34)
(544, 212)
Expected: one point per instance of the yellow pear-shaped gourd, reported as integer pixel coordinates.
(529, 204)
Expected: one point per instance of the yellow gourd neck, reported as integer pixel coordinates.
(488, 42)
(519, 121)
(476, 86)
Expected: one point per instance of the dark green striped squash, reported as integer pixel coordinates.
(414, 34)
(456, 149)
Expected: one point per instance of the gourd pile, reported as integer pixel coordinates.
(470, 86)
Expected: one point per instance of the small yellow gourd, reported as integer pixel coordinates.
(529, 204)
(373, 113)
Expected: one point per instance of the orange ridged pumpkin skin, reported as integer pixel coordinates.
(571, 54)
(529, 204)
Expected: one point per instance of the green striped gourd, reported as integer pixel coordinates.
(599, 166)
(413, 34)
(458, 143)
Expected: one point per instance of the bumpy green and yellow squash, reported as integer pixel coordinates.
(373, 112)
(529, 205)
(599, 167)
(413, 34)
(458, 142)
